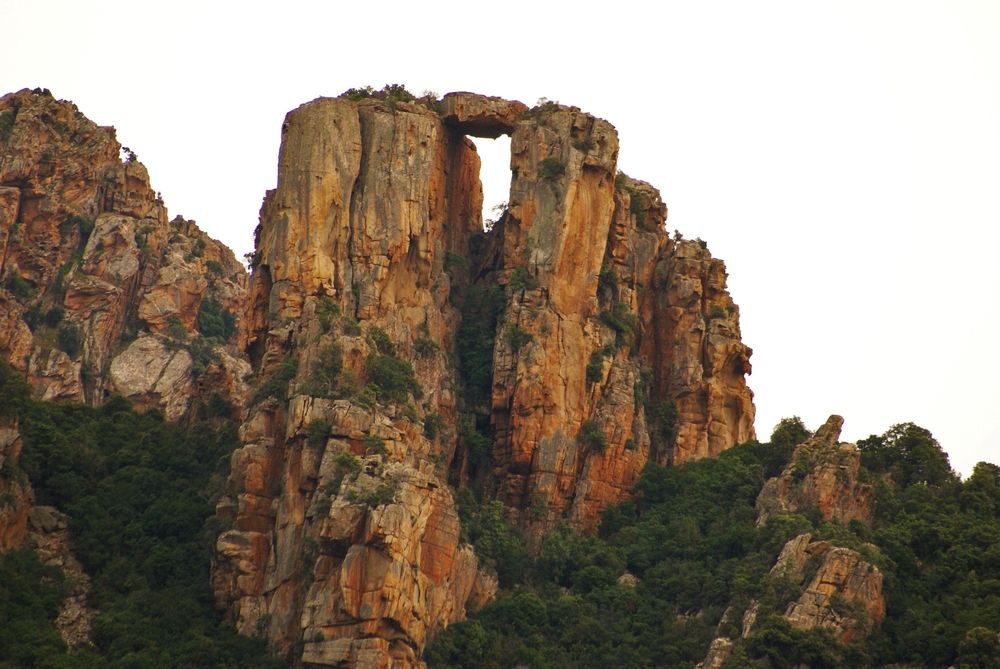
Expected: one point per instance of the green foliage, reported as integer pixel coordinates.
(476, 336)
(584, 144)
(7, 123)
(326, 312)
(203, 354)
(980, 649)
(350, 326)
(521, 279)
(176, 329)
(215, 267)
(68, 339)
(389, 92)
(688, 536)
(276, 385)
(14, 391)
(317, 433)
(392, 378)
(432, 425)
(30, 596)
(21, 289)
(550, 168)
(622, 321)
(592, 436)
(214, 320)
(373, 445)
(781, 645)
(607, 280)
(661, 419)
(595, 366)
(380, 340)
(54, 316)
(453, 261)
(324, 378)
(789, 433)
(517, 338)
(497, 542)
(139, 495)
(909, 454)
(425, 347)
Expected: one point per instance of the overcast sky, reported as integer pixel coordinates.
(842, 157)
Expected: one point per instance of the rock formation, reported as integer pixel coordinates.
(576, 337)
(844, 595)
(384, 347)
(16, 496)
(94, 279)
(822, 474)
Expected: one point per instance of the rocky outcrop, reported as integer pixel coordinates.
(823, 474)
(844, 594)
(49, 537)
(88, 259)
(378, 303)
(16, 496)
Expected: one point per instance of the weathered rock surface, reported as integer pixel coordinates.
(844, 595)
(88, 258)
(16, 496)
(367, 251)
(49, 537)
(822, 474)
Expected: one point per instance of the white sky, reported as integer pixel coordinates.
(842, 157)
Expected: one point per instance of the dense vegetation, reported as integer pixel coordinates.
(651, 589)
(138, 493)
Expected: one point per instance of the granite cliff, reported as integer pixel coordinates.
(385, 348)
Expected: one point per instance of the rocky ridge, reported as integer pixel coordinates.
(839, 588)
(395, 346)
(371, 255)
(99, 292)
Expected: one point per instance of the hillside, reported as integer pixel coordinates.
(399, 419)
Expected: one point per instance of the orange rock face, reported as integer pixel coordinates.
(15, 491)
(614, 345)
(844, 595)
(822, 474)
(89, 261)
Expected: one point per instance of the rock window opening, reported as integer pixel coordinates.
(494, 173)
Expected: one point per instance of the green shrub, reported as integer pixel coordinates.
(68, 339)
(7, 123)
(276, 385)
(392, 378)
(622, 321)
(592, 436)
(381, 341)
(432, 425)
(317, 433)
(326, 311)
(607, 280)
(14, 391)
(175, 329)
(661, 419)
(54, 316)
(585, 144)
(425, 347)
(324, 378)
(350, 326)
(517, 338)
(550, 168)
(373, 445)
(215, 267)
(21, 289)
(521, 279)
(454, 261)
(595, 367)
(476, 337)
(214, 320)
